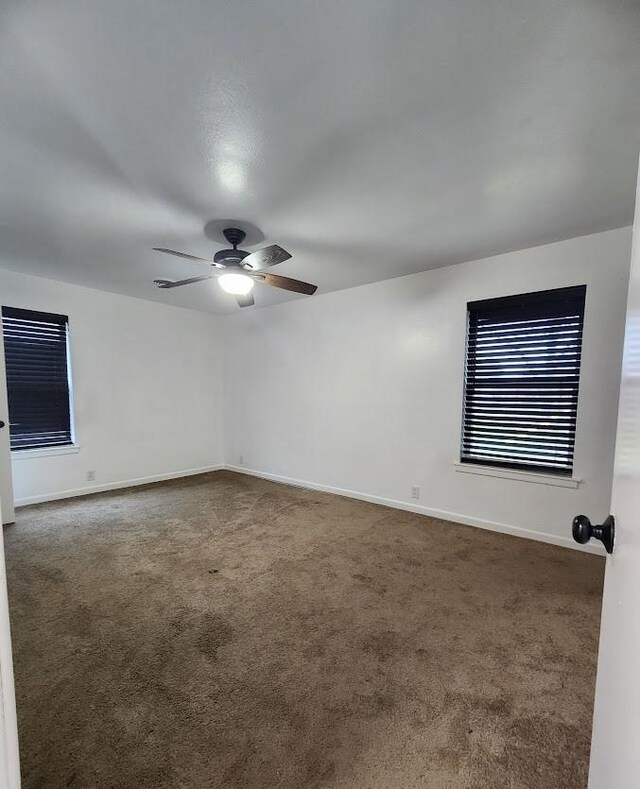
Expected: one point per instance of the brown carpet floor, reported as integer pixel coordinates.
(224, 631)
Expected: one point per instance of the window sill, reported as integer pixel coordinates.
(44, 452)
(519, 476)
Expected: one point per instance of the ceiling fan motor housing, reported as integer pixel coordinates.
(230, 257)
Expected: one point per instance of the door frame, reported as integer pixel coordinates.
(9, 754)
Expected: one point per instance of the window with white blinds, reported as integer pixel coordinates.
(521, 381)
(35, 349)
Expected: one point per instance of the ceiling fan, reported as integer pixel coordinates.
(240, 269)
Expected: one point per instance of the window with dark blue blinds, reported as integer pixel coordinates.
(35, 348)
(521, 382)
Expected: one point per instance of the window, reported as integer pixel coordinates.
(35, 347)
(521, 382)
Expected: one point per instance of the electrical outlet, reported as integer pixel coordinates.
(415, 492)
(91, 475)
(242, 460)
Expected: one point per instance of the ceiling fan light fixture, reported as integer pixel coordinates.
(237, 284)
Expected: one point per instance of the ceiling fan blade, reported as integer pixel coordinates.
(182, 255)
(263, 258)
(286, 283)
(245, 301)
(172, 283)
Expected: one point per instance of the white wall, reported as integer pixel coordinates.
(147, 389)
(361, 390)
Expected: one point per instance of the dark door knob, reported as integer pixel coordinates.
(583, 530)
(1, 423)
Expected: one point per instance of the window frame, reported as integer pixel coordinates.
(526, 302)
(38, 449)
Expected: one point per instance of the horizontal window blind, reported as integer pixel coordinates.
(35, 347)
(521, 382)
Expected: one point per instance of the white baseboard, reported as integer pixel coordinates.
(127, 483)
(504, 528)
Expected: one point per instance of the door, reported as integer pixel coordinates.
(9, 760)
(615, 744)
(6, 487)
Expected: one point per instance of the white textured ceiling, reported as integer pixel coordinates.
(370, 138)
